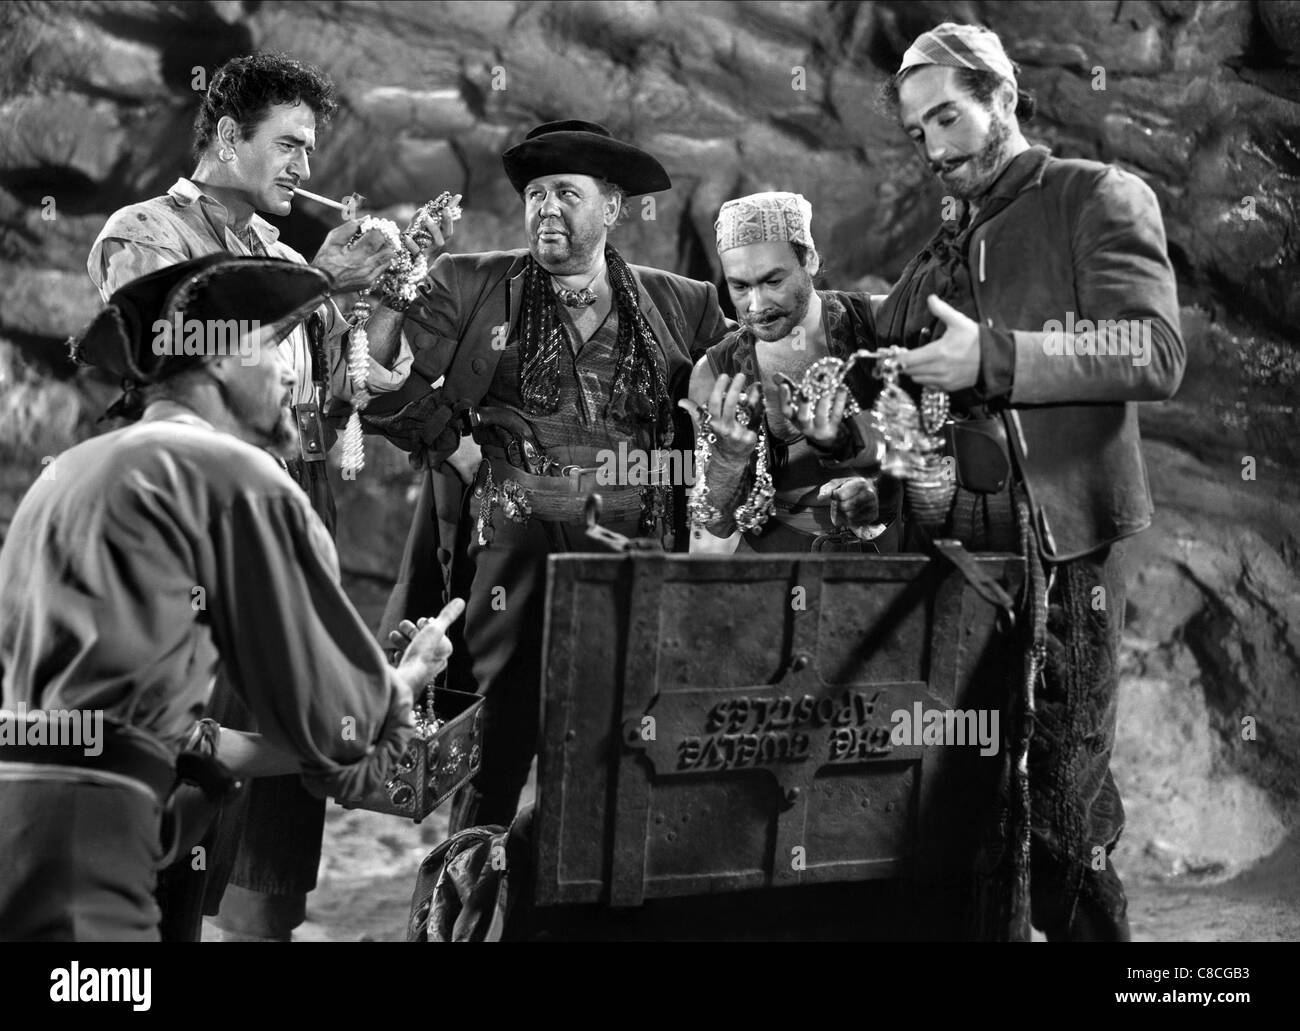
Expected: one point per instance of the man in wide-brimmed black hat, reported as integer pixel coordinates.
(145, 560)
(549, 362)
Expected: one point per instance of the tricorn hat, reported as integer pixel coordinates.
(268, 291)
(583, 148)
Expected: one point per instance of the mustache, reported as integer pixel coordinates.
(763, 316)
(939, 167)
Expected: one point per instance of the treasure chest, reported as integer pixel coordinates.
(442, 757)
(721, 724)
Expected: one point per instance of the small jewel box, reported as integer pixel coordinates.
(442, 757)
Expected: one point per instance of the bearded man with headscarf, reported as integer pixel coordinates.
(1046, 308)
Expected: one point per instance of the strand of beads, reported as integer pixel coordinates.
(352, 456)
(391, 285)
(754, 511)
(397, 286)
(824, 378)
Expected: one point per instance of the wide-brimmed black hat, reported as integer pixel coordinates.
(269, 291)
(583, 148)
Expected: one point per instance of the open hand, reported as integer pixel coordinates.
(734, 440)
(820, 424)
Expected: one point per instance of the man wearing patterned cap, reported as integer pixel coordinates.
(1046, 307)
(769, 260)
(546, 361)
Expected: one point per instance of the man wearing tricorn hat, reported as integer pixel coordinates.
(148, 560)
(769, 260)
(1046, 417)
(547, 359)
(254, 137)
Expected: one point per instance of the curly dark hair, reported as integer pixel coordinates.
(978, 84)
(245, 88)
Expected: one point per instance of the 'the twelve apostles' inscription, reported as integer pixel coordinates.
(748, 731)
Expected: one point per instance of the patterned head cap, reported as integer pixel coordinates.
(764, 217)
(960, 46)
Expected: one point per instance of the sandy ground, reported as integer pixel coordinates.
(370, 861)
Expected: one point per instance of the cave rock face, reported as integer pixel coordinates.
(1197, 98)
(1200, 99)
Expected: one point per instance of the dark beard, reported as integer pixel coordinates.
(282, 440)
(986, 164)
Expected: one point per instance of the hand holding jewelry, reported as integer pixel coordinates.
(913, 436)
(397, 286)
(753, 512)
(724, 427)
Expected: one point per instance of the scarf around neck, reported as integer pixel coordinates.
(638, 394)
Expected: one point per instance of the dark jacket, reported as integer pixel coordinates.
(1081, 241)
(458, 327)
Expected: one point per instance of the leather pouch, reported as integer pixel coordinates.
(979, 448)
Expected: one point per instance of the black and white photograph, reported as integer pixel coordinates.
(645, 471)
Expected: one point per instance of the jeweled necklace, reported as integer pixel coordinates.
(583, 298)
(913, 436)
(753, 512)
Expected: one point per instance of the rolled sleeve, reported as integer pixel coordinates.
(384, 381)
(297, 652)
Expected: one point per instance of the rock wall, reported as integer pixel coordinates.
(1201, 99)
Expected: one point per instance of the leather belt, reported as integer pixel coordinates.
(122, 752)
(571, 479)
(563, 498)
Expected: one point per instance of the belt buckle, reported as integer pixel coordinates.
(311, 432)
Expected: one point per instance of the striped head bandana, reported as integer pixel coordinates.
(960, 46)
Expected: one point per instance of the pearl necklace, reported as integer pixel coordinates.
(398, 285)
